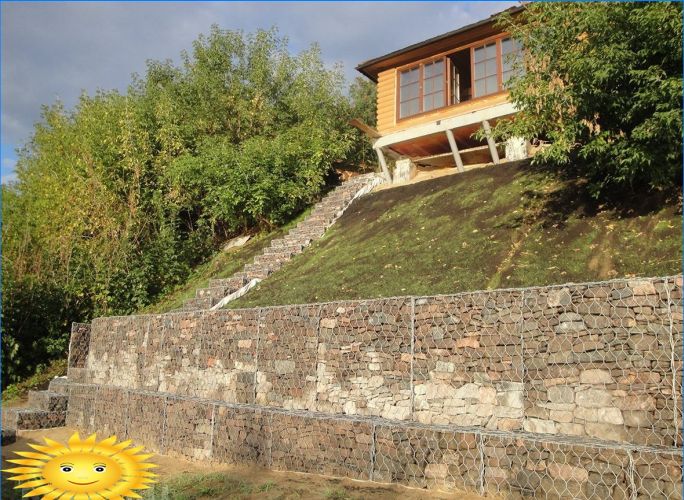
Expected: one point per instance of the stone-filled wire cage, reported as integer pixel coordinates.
(568, 391)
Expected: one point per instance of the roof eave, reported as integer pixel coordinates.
(363, 67)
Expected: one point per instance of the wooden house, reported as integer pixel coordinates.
(433, 95)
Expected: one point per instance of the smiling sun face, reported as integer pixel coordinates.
(83, 468)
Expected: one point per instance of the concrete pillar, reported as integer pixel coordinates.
(383, 164)
(454, 150)
(491, 142)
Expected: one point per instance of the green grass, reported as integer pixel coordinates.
(39, 380)
(496, 227)
(223, 265)
(194, 486)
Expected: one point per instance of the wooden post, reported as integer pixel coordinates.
(454, 150)
(490, 141)
(383, 164)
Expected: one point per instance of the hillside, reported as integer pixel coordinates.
(500, 226)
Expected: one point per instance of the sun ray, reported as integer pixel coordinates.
(83, 469)
(30, 454)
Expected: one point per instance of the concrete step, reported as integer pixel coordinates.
(47, 400)
(32, 418)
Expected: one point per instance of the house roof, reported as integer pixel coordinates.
(372, 67)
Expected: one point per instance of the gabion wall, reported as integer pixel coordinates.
(599, 360)
(570, 390)
(514, 464)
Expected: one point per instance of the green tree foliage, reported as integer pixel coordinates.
(363, 101)
(603, 85)
(118, 198)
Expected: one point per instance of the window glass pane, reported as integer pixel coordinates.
(490, 68)
(414, 107)
(409, 92)
(479, 71)
(438, 67)
(492, 85)
(491, 51)
(408, 108)
(507, 46)
(429, 86)
(438, 99)
(409, 76)
(479, 54)
(479, 88)
(428, 70)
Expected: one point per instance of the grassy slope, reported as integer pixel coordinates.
(502, 226)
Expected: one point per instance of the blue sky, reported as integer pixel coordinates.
(54, 51)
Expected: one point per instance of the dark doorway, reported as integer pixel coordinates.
(460, 76)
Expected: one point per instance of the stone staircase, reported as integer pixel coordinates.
(282, 250)
(45, 409)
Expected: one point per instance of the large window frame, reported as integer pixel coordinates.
(495, 40)
(425, 85)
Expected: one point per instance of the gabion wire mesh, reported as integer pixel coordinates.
(561, 391)
(513, 464)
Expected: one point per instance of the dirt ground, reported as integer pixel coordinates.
(191, 480)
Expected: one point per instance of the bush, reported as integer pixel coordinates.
(603, 85)
(119, 198)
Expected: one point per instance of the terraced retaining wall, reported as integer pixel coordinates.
(514, 464)
(541, 372)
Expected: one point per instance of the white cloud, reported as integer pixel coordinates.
(61, 48)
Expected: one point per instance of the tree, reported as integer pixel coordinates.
(363, 105)
(603, 85)
(119, 198)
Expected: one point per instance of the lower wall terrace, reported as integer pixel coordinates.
(515, 464)
(594, 360)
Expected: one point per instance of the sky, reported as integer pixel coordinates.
(55, 51)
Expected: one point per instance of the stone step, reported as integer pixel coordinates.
(272, 257)
(233, 283)
(9, 436)
(291, 249)
(198, 304)
(260, 271)
(313, 233)
(60, 385)
(31, 419)
(47, 400)
(214, 293)
(286, 242)
(281, 250)
(298, 240)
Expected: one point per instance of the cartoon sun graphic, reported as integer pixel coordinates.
(83, 469)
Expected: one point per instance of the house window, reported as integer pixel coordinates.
(409, 92)
(485, 70)
(433, 85)
(511, 52)
(422, 88)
